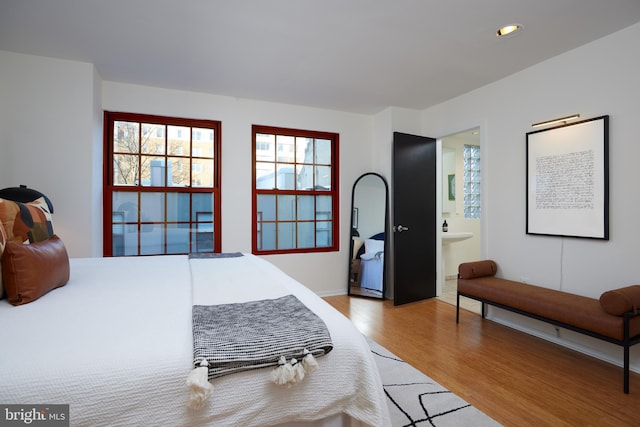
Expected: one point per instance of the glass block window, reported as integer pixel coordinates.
(472, 181)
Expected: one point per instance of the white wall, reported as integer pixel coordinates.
(49, 140)
(600, 78)
(324, 273)
(51, 135)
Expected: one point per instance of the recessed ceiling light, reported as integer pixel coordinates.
(508, 30)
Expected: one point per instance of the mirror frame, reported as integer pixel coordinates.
(386, 237)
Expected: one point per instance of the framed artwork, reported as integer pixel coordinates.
(568, 180)
(452, 186)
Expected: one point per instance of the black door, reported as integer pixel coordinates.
(414, 217)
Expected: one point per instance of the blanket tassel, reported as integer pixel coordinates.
(289, 373)
(309, 362)
(283, 374)
(201, 388)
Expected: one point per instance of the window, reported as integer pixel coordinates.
(471, 181)
(160, 197)
(295, 191)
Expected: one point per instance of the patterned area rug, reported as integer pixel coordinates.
(416, 400)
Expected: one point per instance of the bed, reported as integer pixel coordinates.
(371, 267)
(115, 343)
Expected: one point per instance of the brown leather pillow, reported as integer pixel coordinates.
(471, 270)
(30, 271)
(3, 242)
(620, 301)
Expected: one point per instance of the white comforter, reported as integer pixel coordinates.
(116, 344)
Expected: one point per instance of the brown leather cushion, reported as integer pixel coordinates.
(620, 301)
(3, 242)
(30, 271)
(471, 270)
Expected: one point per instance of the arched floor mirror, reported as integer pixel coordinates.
(369, 207)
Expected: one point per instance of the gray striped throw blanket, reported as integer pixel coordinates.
(281, 332)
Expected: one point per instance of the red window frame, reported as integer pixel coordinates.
(109, 187)
(333, 191)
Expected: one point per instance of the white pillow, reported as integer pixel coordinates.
(372, 246)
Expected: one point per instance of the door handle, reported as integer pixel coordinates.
(400, 228)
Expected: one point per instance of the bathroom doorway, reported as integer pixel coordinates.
(461, 177)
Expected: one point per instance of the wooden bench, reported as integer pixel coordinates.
(614, 318)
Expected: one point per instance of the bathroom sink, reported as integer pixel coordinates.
(448, 237)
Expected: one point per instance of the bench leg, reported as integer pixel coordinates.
(457, 307)
(483, 309)
(626, 368)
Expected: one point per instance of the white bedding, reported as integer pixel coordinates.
(116, 344)
(372, 272)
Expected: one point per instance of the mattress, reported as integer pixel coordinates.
(115, 344)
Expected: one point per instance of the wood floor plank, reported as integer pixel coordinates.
(516, 378)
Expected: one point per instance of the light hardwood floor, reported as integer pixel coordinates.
(517, 379)
(449, 295)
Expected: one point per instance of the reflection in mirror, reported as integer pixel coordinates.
(369, 207)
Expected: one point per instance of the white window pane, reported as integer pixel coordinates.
(323, 177)
(266, 208)
(324, 207)
(323, 152)
(267, 236)
(151, 240)
(285, 148)
(305, 177)
(306, 235)
(152, 207)
(202, 172)
(126, 137)
(306, 208)
(304, 150)
(201, 202)
(178, 207)
(323, 234)
(125, 169)
(286, 177)
(286, 235)
(286, 208)
(265, 147)
(202, 142)
(177, 238)
(151, 144)
(178, 140)
(265, 176)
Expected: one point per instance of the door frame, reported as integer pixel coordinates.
(417, 154)
(483, 195)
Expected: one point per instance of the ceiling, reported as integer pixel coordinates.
(351, 55)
